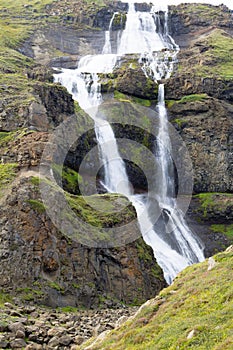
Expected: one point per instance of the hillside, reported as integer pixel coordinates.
(195, 312)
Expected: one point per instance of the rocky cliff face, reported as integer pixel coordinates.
(40, 264)
(189, 21)
(199, 95)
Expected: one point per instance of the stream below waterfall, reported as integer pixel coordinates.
(175, 246)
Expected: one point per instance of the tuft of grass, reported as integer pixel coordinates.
(37, 206)
(192, 98)
(7, 174)
(102, 210)
(215, 61)
(4, 298)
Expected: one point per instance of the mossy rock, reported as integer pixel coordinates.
(130, 79)
(8, 172)
(119, 21)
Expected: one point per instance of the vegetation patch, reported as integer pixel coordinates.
(7, 174)
(69, 177)
(30, 294)
(210, 57)
(224, 229)
(214, 201)
(126, 98)
(107, 210)
(4, 298)
(37, 206)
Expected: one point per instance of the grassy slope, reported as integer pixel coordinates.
(17, 21)
(215, 60)
(199, 300)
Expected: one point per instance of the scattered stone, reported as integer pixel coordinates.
(229, 249)
(14, 327)
(34, 346)
(54, 342)
(57, 330)
(16, 314)
(3, 342)
(191, 334)
(211, 263)
(20, 334)
(18, 344)
(79, 340)
(9, 305)
(65, 340)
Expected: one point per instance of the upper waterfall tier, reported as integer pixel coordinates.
(140, 34)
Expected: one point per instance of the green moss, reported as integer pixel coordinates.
(7, 137)
(70, 178)
(7, 174)
(179, 122)
(35, 180)
(187, 99)
(29, 294)
(76, 286)
(99, 210)
(119, 21)
(55, 286)
(37, 206)
(143, 251)
(4, 298)
(121, 97)
(224, 229)
(214, 201)
(187, 305)
(192, 98)
(67, 309)
(126, 98)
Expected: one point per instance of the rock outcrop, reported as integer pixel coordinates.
(189, 21)
(40, 264)
(206, 126)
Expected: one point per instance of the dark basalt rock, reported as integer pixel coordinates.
(207, 129)
(63, 271)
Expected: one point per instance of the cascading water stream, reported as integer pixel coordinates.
(107, 49)
(174, 245)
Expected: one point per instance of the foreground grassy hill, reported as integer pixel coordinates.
(195, 312)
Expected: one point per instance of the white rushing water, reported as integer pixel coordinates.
(173, 243)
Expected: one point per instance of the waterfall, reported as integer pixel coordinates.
(115, 176)
(173, 243)
(181, 237)
(107, 49)
(139, 34)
